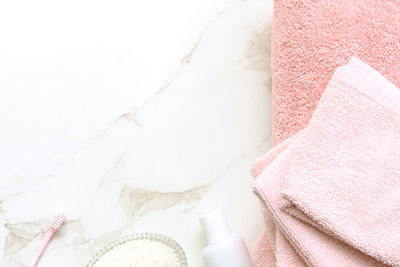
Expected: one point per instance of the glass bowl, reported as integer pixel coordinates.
(139, 236)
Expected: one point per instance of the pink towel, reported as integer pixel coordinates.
(333, 189)
(309, 40)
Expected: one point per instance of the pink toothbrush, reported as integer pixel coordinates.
(55, 225)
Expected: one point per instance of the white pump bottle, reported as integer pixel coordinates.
(225, 249)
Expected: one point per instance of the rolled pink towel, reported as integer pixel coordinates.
(334, 189)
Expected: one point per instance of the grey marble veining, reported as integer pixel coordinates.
(130, 117)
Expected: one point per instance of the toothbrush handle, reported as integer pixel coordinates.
(43, 246)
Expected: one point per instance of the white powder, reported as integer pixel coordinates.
(139, 253)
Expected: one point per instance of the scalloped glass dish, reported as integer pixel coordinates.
(141, 236)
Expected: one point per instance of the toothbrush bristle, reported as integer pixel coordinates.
(57, 221)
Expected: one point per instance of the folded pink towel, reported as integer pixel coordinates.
(309, 40)
(334, 189)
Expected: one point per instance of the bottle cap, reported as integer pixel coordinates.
(214, 226)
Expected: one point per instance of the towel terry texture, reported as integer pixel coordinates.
(333, 189)
(309, 40)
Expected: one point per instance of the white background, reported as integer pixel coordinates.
(129, 116)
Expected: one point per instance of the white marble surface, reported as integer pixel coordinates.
(129, 116)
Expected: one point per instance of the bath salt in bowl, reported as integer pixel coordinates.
(141, 250)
